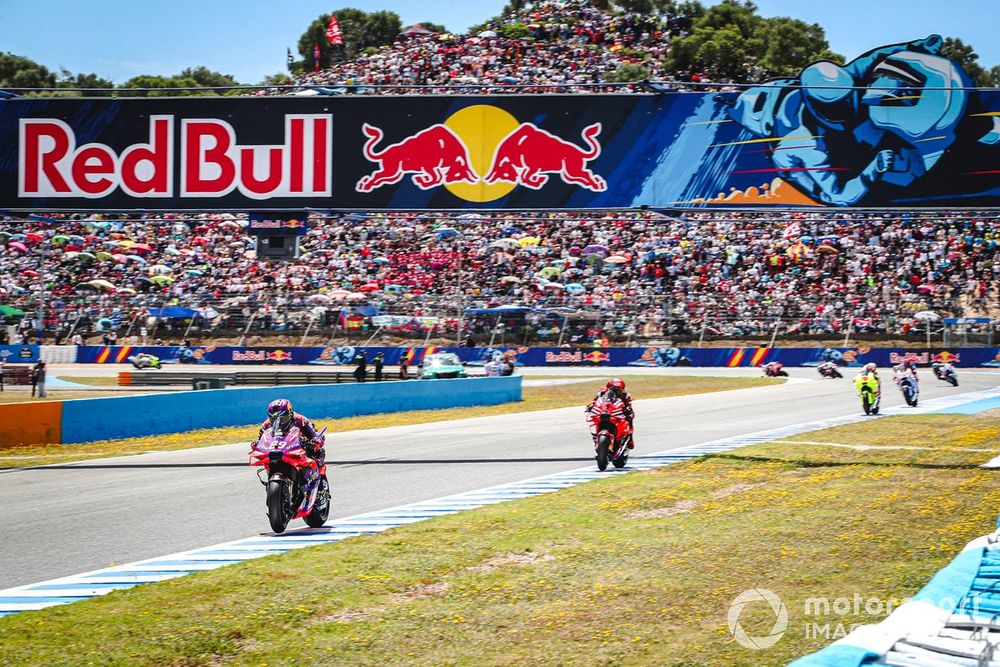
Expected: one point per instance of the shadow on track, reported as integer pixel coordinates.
(329, 463)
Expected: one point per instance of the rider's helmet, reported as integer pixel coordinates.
(909, 365)
(870, 368)
(616, 387)
(280, 413)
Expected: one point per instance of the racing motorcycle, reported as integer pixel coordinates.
(142, 360)
(610, 431)
(296, 486)
(829, 370)
(945, 372)
(775, 369)
(908, 385)
(870, 398)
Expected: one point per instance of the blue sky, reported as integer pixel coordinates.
(119, 39)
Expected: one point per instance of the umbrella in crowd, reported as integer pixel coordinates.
(616, 259)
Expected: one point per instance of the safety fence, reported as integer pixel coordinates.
(86, 420)
(347, 355)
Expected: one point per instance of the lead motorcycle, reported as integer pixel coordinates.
(296, 486)
(611, 432)
(870, 392)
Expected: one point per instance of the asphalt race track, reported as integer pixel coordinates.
(65, 519)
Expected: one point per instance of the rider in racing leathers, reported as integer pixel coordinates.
(280, 412)
(869, 369)
(906, 368)
(615, 389)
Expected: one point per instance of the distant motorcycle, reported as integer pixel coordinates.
(296, 486)
(945, 372)
(909, 387)
(141, 361)
(829, 370)
(610, 431)
(775, 369)
(868, 389)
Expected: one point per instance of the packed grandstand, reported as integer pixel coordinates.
(645, 275)
(624, 275)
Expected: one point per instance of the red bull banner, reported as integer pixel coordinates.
(897, 126)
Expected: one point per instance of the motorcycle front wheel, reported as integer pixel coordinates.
(277, 504)
(866, 401)
(603, 449)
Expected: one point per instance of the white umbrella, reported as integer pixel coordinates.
(927, 315)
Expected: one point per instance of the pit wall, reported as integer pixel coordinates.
(89, 419)
(525, 356)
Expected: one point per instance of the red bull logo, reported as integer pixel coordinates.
(481, 153)
(279, 356)
(947, 357)
(596, 357)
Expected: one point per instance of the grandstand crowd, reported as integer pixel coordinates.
(637, 274)
(551, 46)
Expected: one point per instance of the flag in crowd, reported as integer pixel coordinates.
(316, 55)
(792, 230)
(291, 59)
(333, 31)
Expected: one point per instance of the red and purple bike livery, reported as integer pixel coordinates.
(296, 486)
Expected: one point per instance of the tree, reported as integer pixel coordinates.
(206, 77)
(433, 27)
(731, 41)
(75, 82)
(21, 72)
(965, 56)
(278, 79)
(995, 76)
(628, 73)
(359, 31)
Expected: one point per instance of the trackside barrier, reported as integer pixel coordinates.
(30, 423)
(583, 356)
(90, 419)
(962, 596)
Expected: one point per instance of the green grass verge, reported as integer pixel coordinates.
(24, 396)
(632, 570)
(535, 398)
(93, 380)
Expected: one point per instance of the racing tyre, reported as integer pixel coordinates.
(321, 510)
(603, 449)
(910, 397)
(621, 460)
(953, 381)
(866, 402)
(277, 504)
(837, 374)
(783, 374)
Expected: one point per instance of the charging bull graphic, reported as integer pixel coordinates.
(529, 153)
(433, 156)
(868, 131)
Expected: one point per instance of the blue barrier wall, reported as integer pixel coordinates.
(91, 419)
(550, 356)
(19, 354)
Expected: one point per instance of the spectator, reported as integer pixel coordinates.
(403, 366)
(361, 372)
(379, 362)
(38, 380)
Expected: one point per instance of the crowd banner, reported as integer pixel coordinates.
(585, 356)
(660, 149)
(19, 354)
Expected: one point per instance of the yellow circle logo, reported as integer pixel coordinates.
(481, 127)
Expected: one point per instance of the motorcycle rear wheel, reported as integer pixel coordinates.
(866, 402)
(621, 460)
(953, 381)
(321, 510)
(277, 505)
(603, 447)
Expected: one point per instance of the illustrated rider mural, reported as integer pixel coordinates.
(898, 124)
